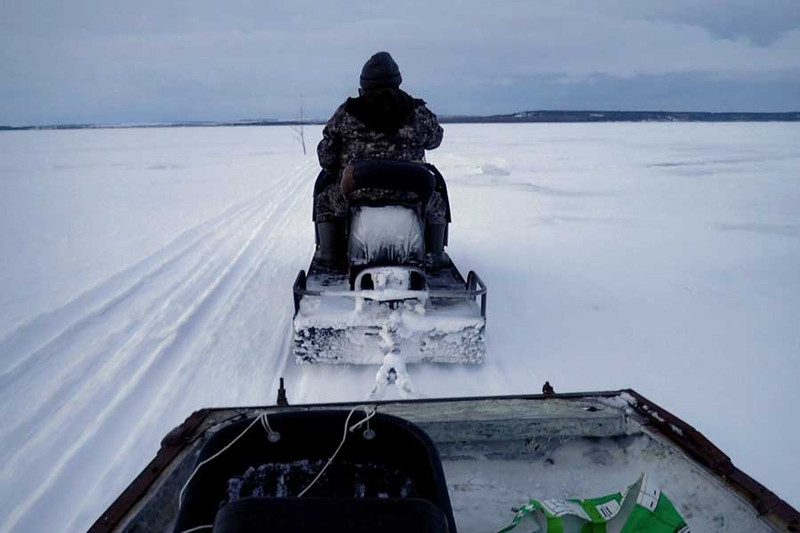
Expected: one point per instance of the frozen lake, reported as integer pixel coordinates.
(147, 273)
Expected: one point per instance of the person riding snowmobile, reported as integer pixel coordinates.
(383, 122)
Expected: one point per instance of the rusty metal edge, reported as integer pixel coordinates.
(172, 445)
(563, 396)
(766, 503)
(688, 439)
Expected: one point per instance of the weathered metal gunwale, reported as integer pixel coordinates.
(697, 446)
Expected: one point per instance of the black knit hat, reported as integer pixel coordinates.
(380, 72)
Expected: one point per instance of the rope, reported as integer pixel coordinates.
(369, 414)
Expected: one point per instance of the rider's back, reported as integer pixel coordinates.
(384, 123)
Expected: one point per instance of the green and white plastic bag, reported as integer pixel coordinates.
(642, 508)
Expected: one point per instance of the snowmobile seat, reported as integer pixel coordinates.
(387, 201)
(325, 179)
(396, 176)
(385, 468)
(381, 182)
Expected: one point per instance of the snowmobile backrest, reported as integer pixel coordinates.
(392, 175)
(388, 457)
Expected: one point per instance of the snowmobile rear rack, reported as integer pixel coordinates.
(474, 288)
(336, 324)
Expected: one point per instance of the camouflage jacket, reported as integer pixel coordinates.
(385, 123)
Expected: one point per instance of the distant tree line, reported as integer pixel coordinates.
(522, 117)
(624, 116)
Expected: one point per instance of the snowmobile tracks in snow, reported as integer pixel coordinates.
(186, 327)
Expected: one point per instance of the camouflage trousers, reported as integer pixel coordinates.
(330, 203)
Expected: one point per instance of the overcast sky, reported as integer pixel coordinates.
(67, 61)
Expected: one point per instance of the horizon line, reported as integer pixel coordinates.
(517, 116)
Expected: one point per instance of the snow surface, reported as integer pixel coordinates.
(147, 273)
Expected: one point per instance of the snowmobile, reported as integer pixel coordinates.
(444, 465)
(395, 291)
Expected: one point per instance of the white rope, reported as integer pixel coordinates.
(264, 422)
(198, 528)
(369, 412)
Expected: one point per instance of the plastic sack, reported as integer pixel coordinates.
(642, 508)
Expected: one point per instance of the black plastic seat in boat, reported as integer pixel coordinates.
(390, 474)
(312, 515)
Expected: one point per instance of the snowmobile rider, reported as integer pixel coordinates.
(382, 122)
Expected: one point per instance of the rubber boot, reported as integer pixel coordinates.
(330, 248)
(434, 246)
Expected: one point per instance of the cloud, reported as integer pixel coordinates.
(758, 22)
(155, 60)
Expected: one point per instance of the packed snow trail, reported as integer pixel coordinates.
(203, 307)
